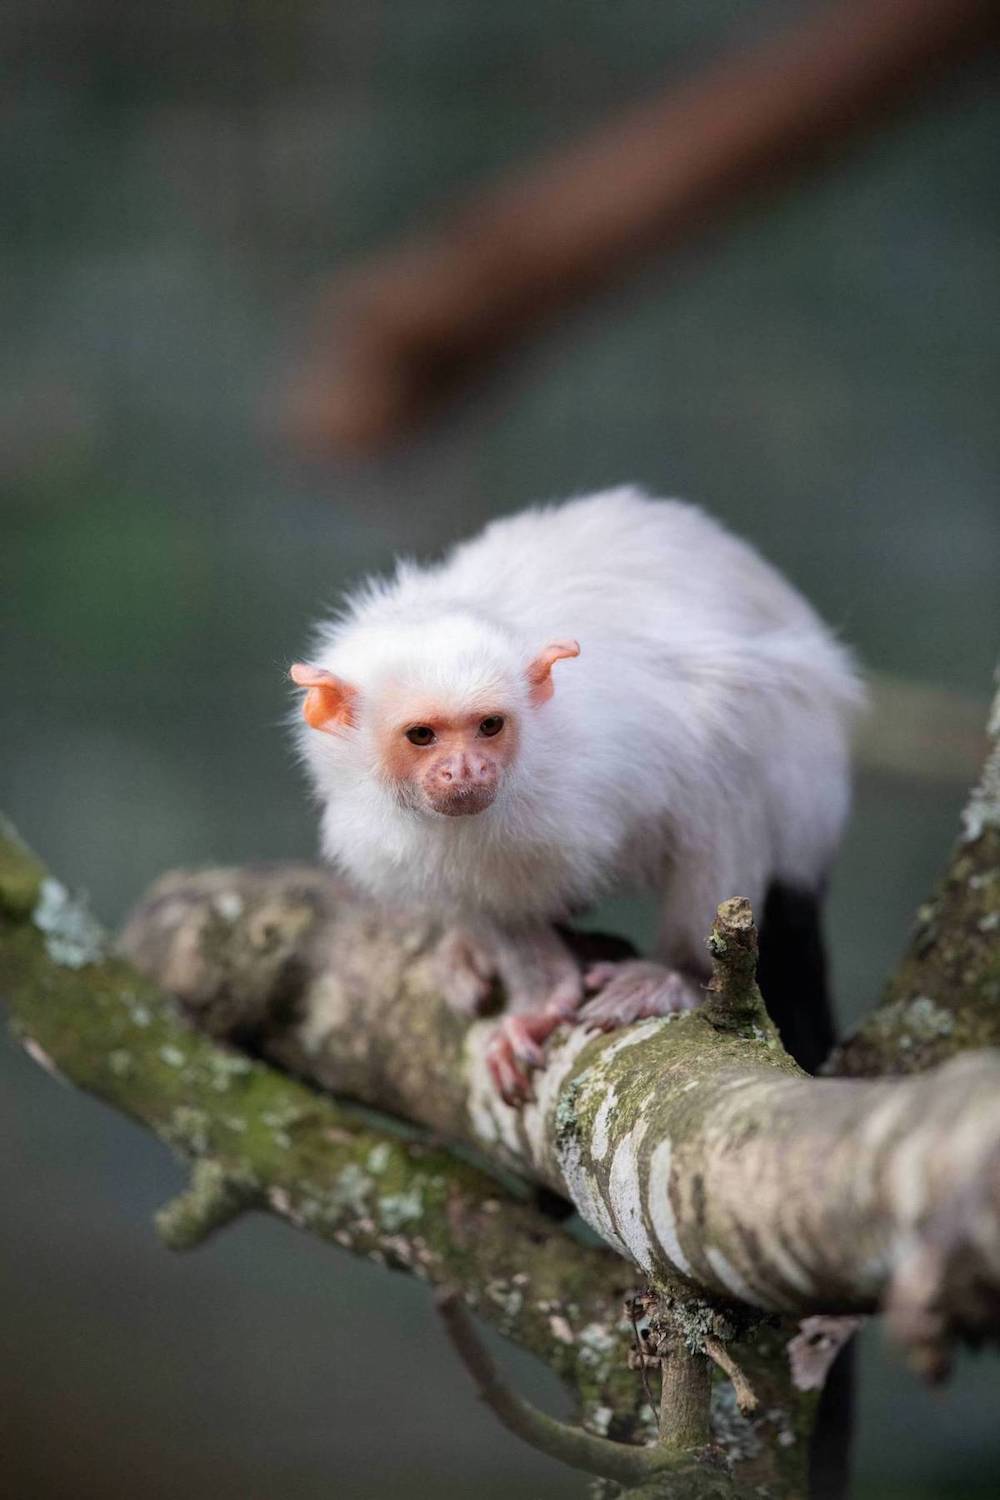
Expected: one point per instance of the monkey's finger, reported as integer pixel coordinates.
(522, 1043)
(511, 1083)
(599, 974)
(565, 999)
(617, 1005)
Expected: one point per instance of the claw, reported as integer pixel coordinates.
(513, 1083)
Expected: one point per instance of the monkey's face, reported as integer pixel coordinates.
(449, 764)
(445, 751)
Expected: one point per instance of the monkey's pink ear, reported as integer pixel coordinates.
(329, 703)
(539, 673)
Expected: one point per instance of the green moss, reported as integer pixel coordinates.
(945, 996)
(21, 873)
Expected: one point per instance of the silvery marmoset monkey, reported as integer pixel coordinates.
(611, 692)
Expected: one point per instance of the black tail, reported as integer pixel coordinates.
(792, 974)
(793, 980)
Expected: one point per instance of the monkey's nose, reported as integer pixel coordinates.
(462, 771)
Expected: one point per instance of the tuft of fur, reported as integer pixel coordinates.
(698, 744)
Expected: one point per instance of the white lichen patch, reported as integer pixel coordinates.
(189, 1128)
(625, 1196)
(731, 1279)
(510, 1299)
(598, 1346)
(120, 1062)
(224, 1067)
(378, 1157)
(73, 936)
(329, 1009)
(228, 905)
(536, 1115)
(585, 1194)
(983, 808)
(351, 1191)
(926, 1018)
(397, 1209)
(599, 1420)
(172, 1056)
(600, 1141)
(633, 1035)
(661, 1213)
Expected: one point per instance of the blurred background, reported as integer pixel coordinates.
(178, 183)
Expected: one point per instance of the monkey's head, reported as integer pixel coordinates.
(437, 717)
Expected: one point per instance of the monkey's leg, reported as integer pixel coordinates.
(634, 991)
(532, 967)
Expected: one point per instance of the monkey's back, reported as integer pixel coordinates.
(708, 690)
(620, 566)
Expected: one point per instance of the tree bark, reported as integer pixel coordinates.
(691, 1145)
(944, 997)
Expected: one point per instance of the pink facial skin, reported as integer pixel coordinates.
(450, 765)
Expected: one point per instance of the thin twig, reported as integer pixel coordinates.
(571, 1445)
(746, 1396)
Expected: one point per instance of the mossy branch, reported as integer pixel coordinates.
(214, 1199)
(258, 1140)
(944, 997)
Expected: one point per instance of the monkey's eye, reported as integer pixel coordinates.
(421, 734)
(491, 725)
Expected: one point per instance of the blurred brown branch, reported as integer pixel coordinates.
(408, 330)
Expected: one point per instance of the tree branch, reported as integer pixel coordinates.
(654, 1133)
(944, 997)
(260, 1140)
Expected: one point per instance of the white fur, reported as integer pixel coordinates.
(698, 744)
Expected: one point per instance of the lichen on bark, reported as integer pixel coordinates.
(653, 1133)
(944, 996)
(259, 1140)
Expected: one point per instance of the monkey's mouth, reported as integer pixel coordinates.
(463, 801)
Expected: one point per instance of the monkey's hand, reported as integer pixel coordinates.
(537, 975)
(515, 1048)
(633, 991)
